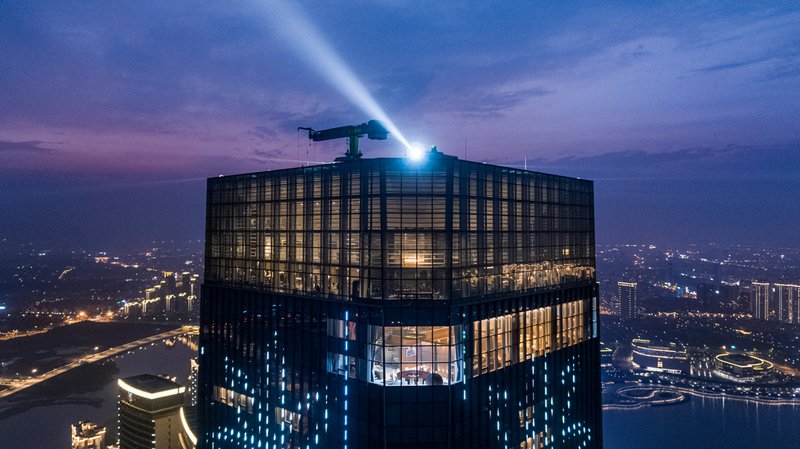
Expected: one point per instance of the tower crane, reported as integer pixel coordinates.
(373, 129)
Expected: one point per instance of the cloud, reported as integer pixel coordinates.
(30, 146)
(770, 163)
(730, 65)
(496, 104)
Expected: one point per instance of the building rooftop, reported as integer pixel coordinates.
(150, 386)
(744, 360)
(85, 430)
(430, 160)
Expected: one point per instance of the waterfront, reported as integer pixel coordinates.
(28, 421)
(699, 423)
(703, 423)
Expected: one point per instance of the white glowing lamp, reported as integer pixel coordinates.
(416, 151)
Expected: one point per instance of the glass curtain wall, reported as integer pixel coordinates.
(382, 229)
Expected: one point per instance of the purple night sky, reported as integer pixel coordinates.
(687, 115)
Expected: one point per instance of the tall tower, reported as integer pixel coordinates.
(788, 299)
(395, 304)
(759, 303)
(149, 413)
(628, 305)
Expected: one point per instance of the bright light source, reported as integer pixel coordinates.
(416, 151)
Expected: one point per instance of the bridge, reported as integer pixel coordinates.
(19, 385)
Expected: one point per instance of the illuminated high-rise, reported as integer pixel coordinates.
(759, 300)
(150, 413)
(396, 304)
(788, 298)
(628, 304)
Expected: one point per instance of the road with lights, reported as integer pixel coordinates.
(15, 386)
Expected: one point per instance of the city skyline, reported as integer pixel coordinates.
(695, 299)
(284, 224)
(676, 111)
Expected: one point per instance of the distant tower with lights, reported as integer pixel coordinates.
(788, 298)
(395, 303)
(628, 304)
(759, 300)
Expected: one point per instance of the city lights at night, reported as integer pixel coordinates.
(308, 225)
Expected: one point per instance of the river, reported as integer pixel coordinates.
(45, 426)
(704, 423)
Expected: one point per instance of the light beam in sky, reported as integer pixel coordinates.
(294, 27)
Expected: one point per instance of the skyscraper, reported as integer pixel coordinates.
(149, 413)
(396, 304)
(628, 305)
(788, 298)
(759, 300)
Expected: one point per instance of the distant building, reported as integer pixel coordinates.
(788, 298)
(150, 413)
(627, 300)
(606, 356)
(170, 282)
(191, 299)
(708, 295)
(759, 300)
(170, 303)
(132, 309)
(744, 300)
(175, 295)
(87, 435)
(660, 357)
(194, 369)
(739, 367)
(714, 296)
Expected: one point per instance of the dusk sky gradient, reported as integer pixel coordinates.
(686, 114)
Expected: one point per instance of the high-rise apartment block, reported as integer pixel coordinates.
(760, 300)
(628, 304)
(787, 297)
(389, 303)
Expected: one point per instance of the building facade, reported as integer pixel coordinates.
(667, 357)
(787, 297)
(385, 303)
(628, 306)
(150, 413)
(759, 300)
(741, 367)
